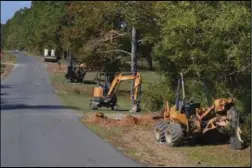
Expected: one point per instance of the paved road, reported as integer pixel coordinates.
(37, 130)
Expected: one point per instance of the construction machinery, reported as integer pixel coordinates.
(188, 120)
(75, 73)
(105, 96)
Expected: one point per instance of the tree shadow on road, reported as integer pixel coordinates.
(4, 87)
(42, 107)
(6, 103)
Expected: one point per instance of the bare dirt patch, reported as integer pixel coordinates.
(133, 135)
(136, 140)
(7, 69)
(127, 120)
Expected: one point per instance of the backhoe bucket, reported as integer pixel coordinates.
(235, 139)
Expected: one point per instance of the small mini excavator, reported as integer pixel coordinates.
(104, 96)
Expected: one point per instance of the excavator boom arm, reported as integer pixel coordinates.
(118, 78)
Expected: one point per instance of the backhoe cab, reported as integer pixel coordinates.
(187, 120)
(105, 96)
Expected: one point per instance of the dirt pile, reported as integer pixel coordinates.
(100, 118)
(6, 70)
(148, 119)
(128, 120)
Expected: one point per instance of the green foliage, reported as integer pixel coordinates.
(35, 28)
(156, 94)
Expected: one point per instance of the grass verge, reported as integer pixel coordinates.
(8, 61)
(138, 142)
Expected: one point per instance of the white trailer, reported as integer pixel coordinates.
(50, 57)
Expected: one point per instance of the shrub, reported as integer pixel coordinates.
(156, 94)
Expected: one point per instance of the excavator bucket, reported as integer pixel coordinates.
(133, 109)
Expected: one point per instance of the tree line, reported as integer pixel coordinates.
(209, 39)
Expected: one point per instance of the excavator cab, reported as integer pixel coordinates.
(103, 82)
(104, 95)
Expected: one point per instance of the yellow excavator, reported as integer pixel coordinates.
(106, 97)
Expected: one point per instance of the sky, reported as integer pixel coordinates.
(8, 8)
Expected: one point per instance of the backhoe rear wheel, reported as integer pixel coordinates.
(159, 131)
(173, 134)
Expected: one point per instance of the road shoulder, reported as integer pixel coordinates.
(8, 63)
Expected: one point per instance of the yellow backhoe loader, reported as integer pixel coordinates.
(186, 119)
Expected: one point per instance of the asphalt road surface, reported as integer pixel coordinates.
(37, 130)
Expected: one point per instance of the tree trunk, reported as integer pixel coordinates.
(148, 56)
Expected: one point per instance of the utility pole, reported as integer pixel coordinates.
(133, 52)
(133, 57)
(133, 48)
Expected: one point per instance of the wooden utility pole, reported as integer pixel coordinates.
(133, 56)
(133, 52)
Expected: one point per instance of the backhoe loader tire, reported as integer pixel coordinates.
(234, 140)
(159, 131)
(173, 134)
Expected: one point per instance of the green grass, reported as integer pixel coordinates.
(211, 155)
(104, 134)
(80, 97)
(207, 155)
(7, 58)
(29, 53)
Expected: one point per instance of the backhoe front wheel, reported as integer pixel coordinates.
(173, 134)
(159, 131)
